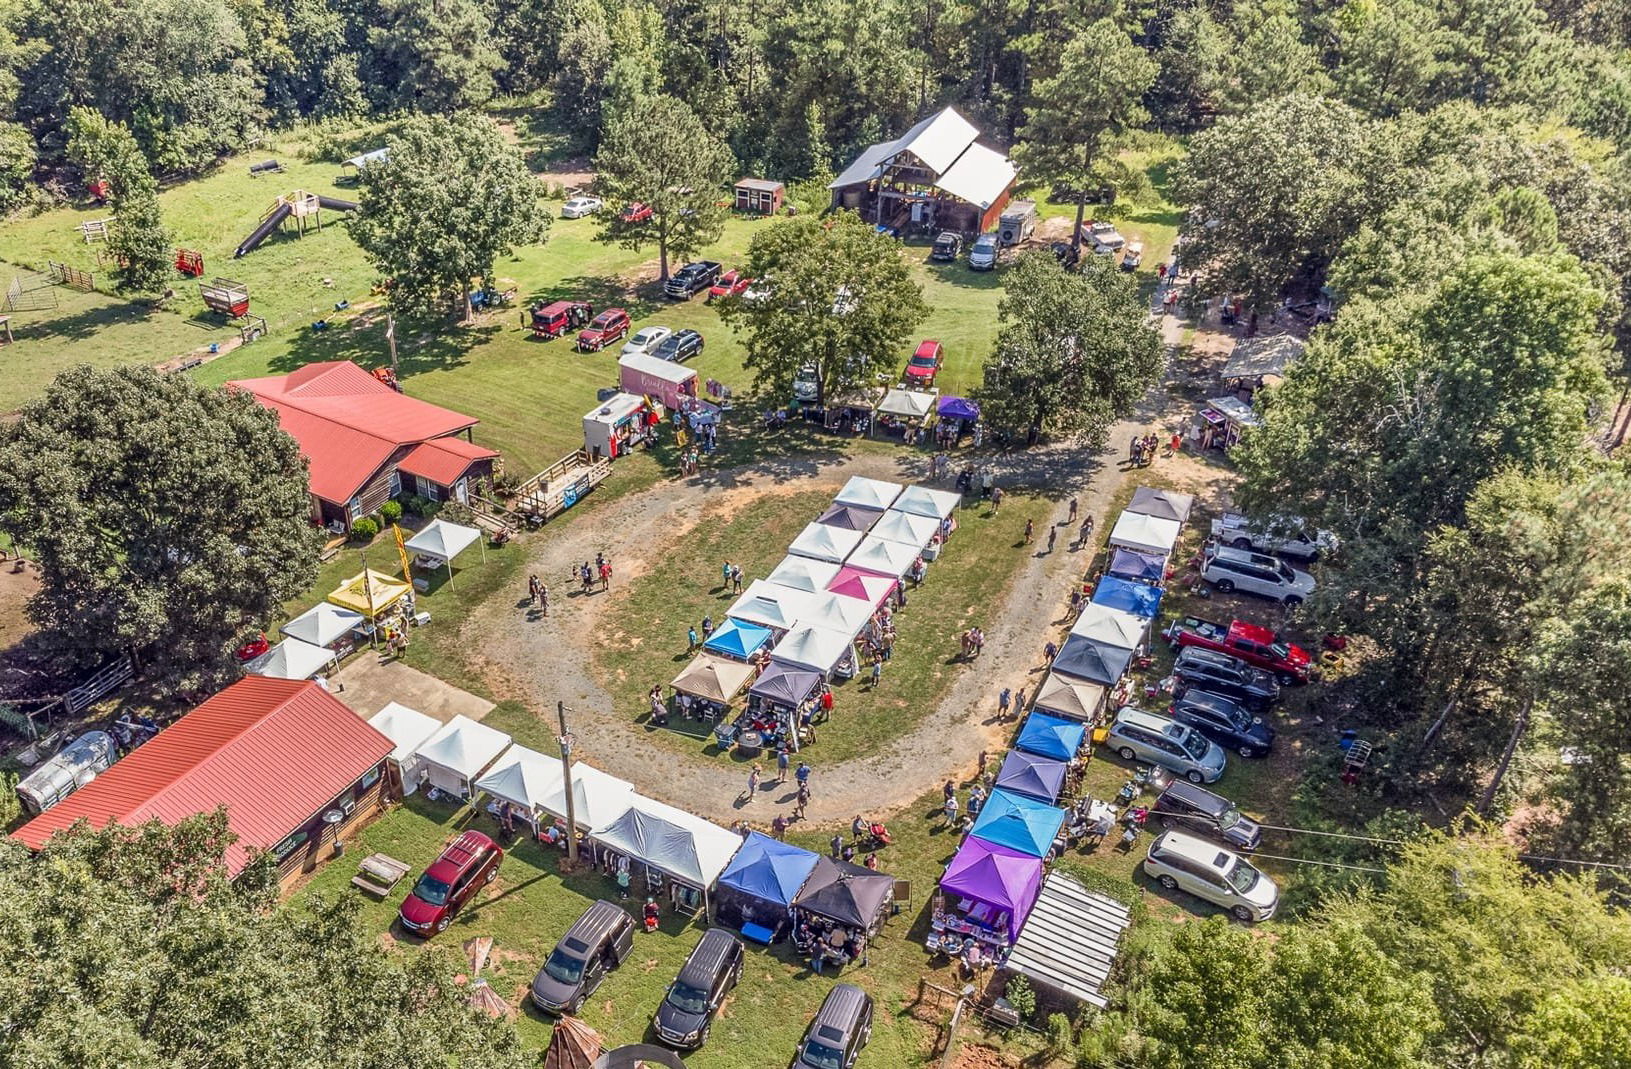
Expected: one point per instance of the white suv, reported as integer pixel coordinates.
(1228, 568)
(1208, 871)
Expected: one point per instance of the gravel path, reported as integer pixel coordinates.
(542, 660)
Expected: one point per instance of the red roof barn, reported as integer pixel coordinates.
(277, 753)
(363, 439)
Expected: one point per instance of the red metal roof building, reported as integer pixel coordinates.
(277, 753)
(356, 431)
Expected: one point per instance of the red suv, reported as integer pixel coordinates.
(468, 864)
(608, 327)
(925, 363)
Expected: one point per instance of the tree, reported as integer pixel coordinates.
(434, 57)
(1584, 1025)
(137, 239)
(16, 166)
(452, 198)
(1076, 350)
(1270, 59)
(1095, 97)
(166, 963)
(656, 152)
(838, 295)
(168, 519)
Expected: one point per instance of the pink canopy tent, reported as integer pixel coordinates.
(862, 585)
(999, 884)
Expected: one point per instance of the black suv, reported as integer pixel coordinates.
(947, 247)
(1067, 254)
(692, 279)
(1194, 809)
(596, 944)
(707, 976)
(840, 1029)
(679, 347)
(1229, 676)
(1224, 721)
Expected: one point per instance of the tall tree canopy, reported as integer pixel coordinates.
(437, 57)
(839, 295)
(137, 239)
(168, 519)
(452, 198)
(658, 153)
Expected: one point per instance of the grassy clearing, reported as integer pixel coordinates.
(684, 585)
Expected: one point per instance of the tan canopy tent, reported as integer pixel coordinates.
(370, 593)
(1073, 698)
(713, 678)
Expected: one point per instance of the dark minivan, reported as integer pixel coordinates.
(1199, 811)
(688, 1009)
(839, 1032)
(1224, 721)
(596, 944)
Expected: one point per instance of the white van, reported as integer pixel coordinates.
(1208, 871)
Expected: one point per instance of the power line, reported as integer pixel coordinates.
(1323, 864)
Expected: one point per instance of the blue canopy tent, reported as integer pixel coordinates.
(1036, 777)
(1087, 658)
(758, 886)
(737, 640)
(1140, 599)
(1139, 567)
(1051, 736)
(1019, 823)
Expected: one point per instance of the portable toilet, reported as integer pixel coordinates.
(1017, 222)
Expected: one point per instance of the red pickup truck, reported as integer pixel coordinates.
(1255, 645)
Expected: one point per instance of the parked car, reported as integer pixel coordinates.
(1228, 568)
(758, 289)
(947, 247)
(806, 385)
(692, 279)
(1257, 646)
(646, 339)
(636, 213)
(1159, 740)
(838, 1032)
(1224, 721)
(1067, 254)
(983, 256)
(1229, 676)
(597, 943)
(925, 363)
(1132, 256)
(556, 318)
(730, 284)
(607, 327)
(1283, 536)
(1103, 236)
(578, 207)
(1198, 811)
(688, 1008)
(679, 346)
(469, 863)
(1210, 872)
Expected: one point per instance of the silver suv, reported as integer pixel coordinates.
(1228, 568)
(1140, 736)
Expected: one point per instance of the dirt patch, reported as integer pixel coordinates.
(976, 1056)
(570, 174)
(15, 590)
(1054, 228)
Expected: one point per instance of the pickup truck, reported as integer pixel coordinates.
(1233, 529)
(693, 278)
(1257, 646)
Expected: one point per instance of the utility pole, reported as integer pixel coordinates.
(565, 739)
(1506, 758)
(390, 336)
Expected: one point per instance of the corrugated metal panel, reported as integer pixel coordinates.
(275, 752)
(443, 460)
(1071, 938)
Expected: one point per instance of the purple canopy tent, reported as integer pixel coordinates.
(1036, 777)
(1140, 567)
(958, 408)
(995, 881)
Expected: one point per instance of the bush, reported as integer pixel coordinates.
(456, 512)
(414, 505)
(364, 530)
(1020, 996)
(391, 511)
(1061, 1036)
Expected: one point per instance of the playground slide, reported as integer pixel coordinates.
(336, 203)
(260, 233)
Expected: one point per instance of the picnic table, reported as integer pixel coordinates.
(378, 873)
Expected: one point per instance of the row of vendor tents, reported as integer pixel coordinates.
(809, 610)
(754, 881)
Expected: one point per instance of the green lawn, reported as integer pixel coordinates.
(649, 646)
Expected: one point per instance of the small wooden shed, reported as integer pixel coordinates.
(759, 195)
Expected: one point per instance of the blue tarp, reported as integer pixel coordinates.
(1051, 736)
(1019, 823)
(1139, 599)
(737, 639)
(958, 408)
(1131, 564)
(769, 869)
(1036, 777)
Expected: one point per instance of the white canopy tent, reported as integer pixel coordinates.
(1167, 504)
(883, 556)
(770, 605)
(597, 797)
(836, 613)
(1111, 626)
(682, 846)
(444, 541)
(1146, 534)
(408, 729)
(813, 647)
(922, 501)
(291, 659)
(913, 406)
(906, 527)
(459, 752)
(523, 778)
(323, 624)
(818, 541)
(804, 574)
(868, 493)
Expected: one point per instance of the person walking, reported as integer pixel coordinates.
(948, 792)
(1087, 532)
(707, 628)
(781, 765)
(532, 589)
(802, 774)
(691, 638)
(877, 672)
(1053, 536)
(1019, 702)
(802, 801)
(1002, 707)
(996, 500)
(725, 575)
(1030, 529)
(736, 578)
(950, 810)
(1072, 518)
(753, 783)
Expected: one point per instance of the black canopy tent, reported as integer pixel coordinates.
(847, 895)
(851, 517)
